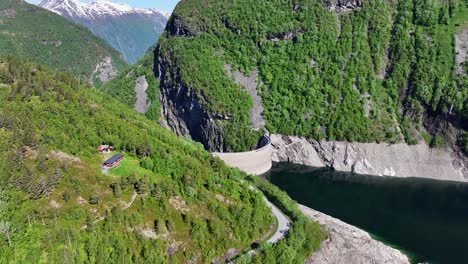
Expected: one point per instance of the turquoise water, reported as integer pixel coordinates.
(426, 219)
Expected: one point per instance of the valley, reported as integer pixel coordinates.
(189, 205)
(132, 31)
(35, 34)
(233, 131)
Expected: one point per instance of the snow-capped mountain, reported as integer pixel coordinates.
(75, 8)
(130, 30)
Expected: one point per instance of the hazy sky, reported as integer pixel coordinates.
(166, 5)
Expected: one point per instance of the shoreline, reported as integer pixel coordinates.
(348, 244)
(376, 159)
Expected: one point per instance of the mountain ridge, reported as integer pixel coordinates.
(130, 30)
(98, 7)
(43, 37)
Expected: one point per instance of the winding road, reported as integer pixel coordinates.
(284, 224)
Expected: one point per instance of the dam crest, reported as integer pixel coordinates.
(256, 162)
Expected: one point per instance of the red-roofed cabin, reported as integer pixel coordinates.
(116, 159)
(105, 148)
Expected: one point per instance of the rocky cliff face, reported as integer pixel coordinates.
(181, 108)
(105, 70)
(350, 245)
(383, 159)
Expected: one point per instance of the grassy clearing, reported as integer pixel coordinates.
(127, 167)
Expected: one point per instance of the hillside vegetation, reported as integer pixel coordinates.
(122, 87)
(41, 36)
(384, 71)
(169, 201)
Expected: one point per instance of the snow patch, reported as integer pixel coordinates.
(75, 8)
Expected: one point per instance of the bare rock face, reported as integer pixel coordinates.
(350, 245)
(178, 26)
(105, 71)
(8, 13)
(141, 105)
(461, 49)
(182, 111)
(381, 159)
(344, 6)
(250, 83)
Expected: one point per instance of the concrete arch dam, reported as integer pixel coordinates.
(254, 162)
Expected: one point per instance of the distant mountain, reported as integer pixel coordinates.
(130, 30)
(41, 36)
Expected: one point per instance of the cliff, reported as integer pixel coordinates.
(228, 68)
(382, 159)
(182, 109)
(323, 78)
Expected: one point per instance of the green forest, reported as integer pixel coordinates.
(41, 36)
(122, 87)
(378, 73)
(56, 205)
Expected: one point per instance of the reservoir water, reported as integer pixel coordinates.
(425, 219)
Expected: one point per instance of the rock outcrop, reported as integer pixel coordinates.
(350, 245)
(344, 6)
(182, 111)
(250, 84)
(141, 105)
(178, 26)
(105, 70)
(9, 13)
(382, 159)
(461, 50)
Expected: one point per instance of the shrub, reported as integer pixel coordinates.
(94, 199)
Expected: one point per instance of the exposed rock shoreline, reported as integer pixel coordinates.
(381, 159)
(350, 245)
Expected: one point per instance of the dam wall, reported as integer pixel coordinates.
(254, 162)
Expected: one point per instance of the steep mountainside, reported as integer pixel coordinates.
(168, 201)
(130, 30)
(138, 87)
(366, 71)
(41, 36)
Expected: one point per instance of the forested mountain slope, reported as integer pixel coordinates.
(169, 201)
(367, 71)
(41, 36)
(137, 83)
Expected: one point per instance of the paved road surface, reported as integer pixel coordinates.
(283, 223)
(283, 227)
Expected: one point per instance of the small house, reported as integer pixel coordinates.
(116, 159)
(105, 148)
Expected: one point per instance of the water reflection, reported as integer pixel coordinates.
(427, 219)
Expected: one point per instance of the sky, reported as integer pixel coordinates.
(165, 5)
